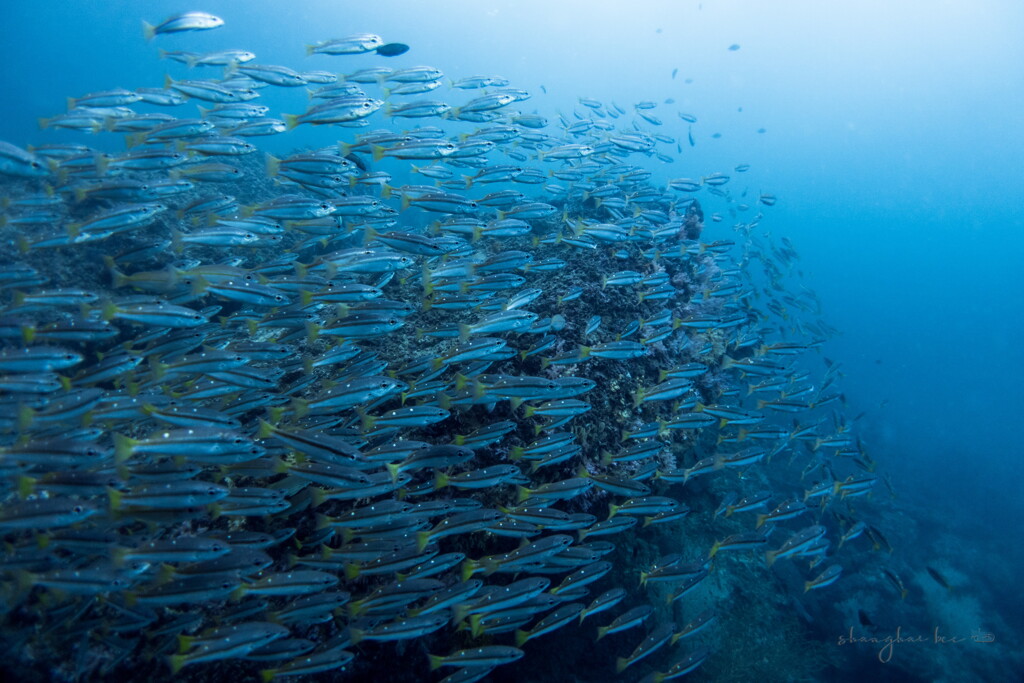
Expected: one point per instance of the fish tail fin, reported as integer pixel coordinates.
(26, 485)
(115, 497)
(149, 32)
(175, 661)
(24, 580)
(123, 447)
(102, 162)
(177, 241)
(273, 164)
(266, 430)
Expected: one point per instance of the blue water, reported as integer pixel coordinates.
(892, 140)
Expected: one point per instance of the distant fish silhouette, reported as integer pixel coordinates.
(360, 164)
(392, 49)
(939, 578)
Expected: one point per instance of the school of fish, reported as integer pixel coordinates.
(261, 411)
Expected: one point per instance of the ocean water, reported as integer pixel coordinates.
(890, 136)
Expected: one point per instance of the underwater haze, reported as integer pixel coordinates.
(753, 284)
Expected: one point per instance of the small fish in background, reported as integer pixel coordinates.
(896, 582)
(825, 578)
(187, 21)
(939, 578)
(392, 49)
(734, 47)
(356, 44)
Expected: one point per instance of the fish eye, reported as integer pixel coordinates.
(78, 509)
